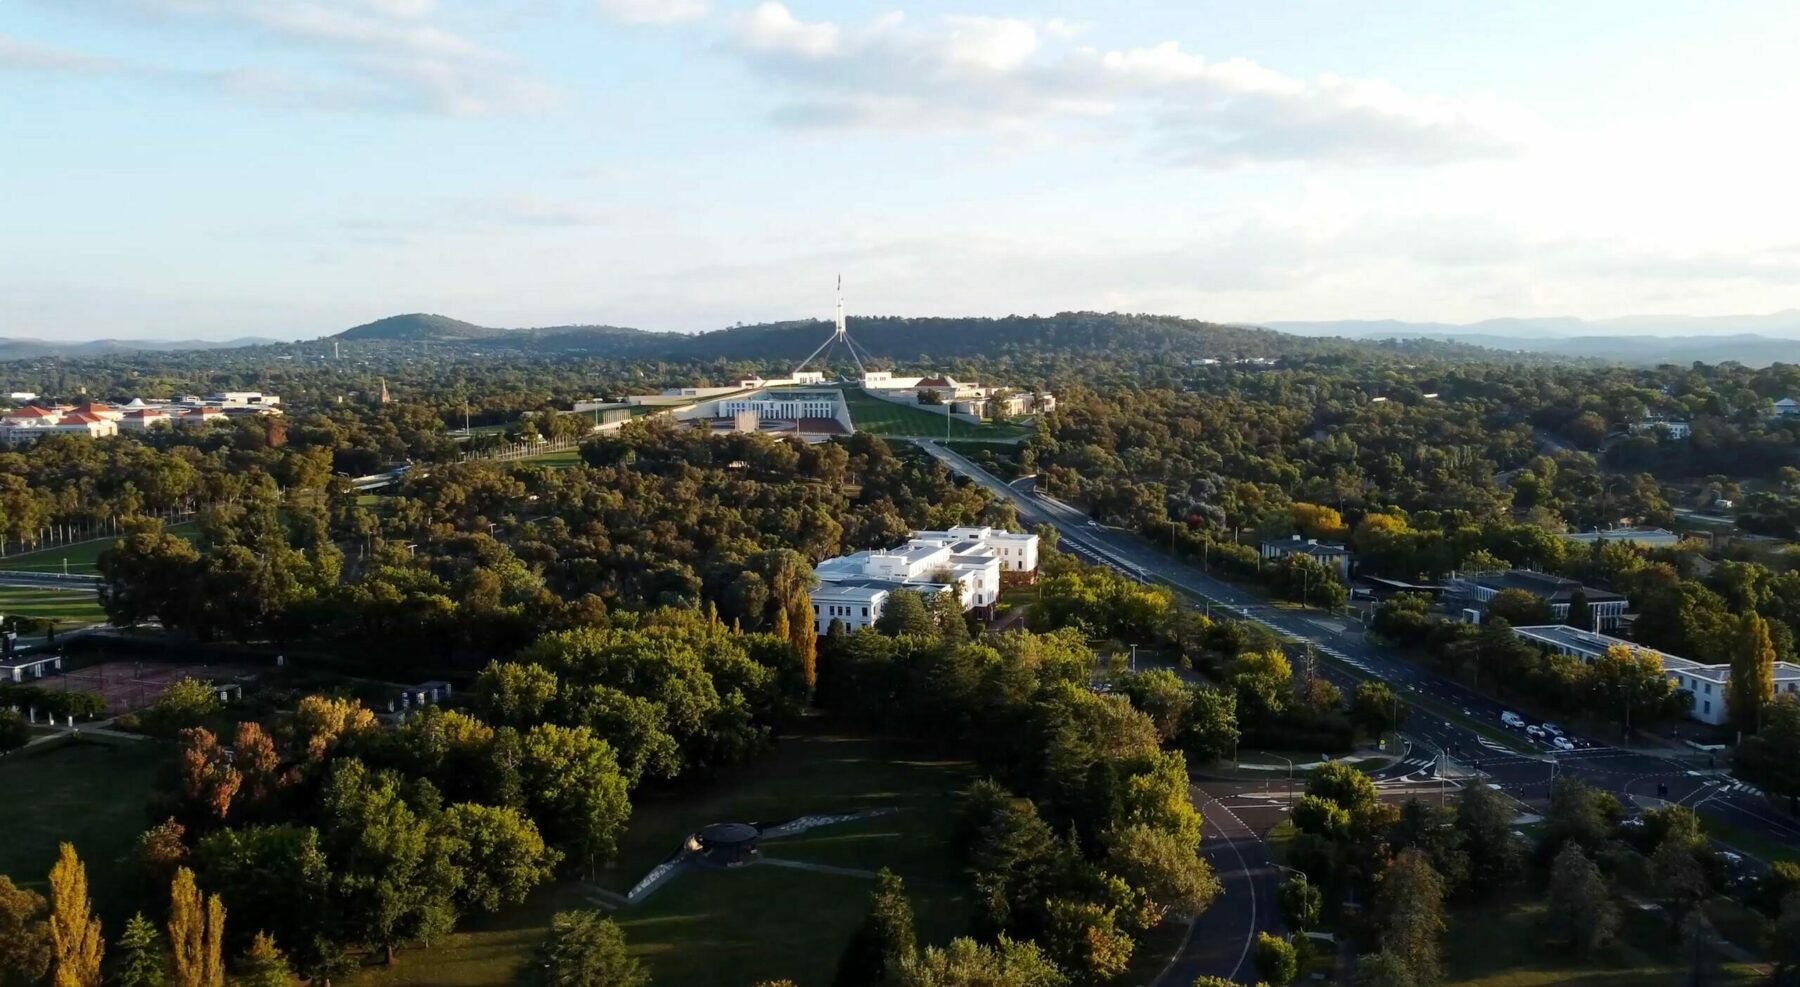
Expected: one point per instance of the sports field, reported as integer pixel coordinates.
(81, 556)
(73, 606)
(878, 417)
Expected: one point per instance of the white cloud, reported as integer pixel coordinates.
(986, 72)
(375, 54)
(656, 11)
(771, 29)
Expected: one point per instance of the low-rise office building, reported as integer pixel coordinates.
(1473, 590)
(1707, 683)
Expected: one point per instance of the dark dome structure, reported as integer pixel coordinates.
(726, 844)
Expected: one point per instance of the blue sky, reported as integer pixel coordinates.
(293, 167)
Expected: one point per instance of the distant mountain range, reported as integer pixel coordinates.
(1068, 332)
(1646, 339)
(25, 349)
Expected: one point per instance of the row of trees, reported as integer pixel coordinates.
(60, 939)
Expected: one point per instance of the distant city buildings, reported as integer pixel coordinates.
(97, 420)
(971, 562)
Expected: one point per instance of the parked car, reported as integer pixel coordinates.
(1535, 732)
(1553, 730)
(1512, 719)
(1563, 744)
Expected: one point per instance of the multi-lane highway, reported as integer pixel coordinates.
(1442, 719)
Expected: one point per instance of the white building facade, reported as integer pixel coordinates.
(968, 561)
(1707, 684)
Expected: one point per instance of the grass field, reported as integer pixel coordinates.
(91, 794)
(71, 605)
(1503, 946)
(731, 928)
(558, 460)
(82, 557)
(872, 414)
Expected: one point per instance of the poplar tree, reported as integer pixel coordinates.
(1752, 673)
(196, 934)
(75, 946)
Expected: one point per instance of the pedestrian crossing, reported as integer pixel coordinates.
(1355, 663)
(1739, 786)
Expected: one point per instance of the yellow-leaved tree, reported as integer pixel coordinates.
(75, 945)
(196, 934)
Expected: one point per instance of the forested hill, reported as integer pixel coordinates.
(1149, 336)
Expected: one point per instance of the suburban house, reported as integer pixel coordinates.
(1473, 591)
(1332, 556)
(1787, 408)
(1673, 428)
(971, 562)
(1706, 683)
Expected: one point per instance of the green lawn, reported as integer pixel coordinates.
(70, 605)
(1502, 945)
(558, 460)
(872, 414)
(731, 928)
(81, 556)
(91, 794)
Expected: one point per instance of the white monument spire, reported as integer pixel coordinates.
(840, 333)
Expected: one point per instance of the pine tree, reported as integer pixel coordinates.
(196, 933)
(264, 965)
(75, 946)
(1752, 673)
(142, 960)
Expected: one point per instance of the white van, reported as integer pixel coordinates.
(1512, 719)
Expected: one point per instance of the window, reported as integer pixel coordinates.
(1709, 690)
(1708, 709)
(865, 611)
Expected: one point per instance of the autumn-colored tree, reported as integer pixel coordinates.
(196, 934)
(75, 946)
(321, 723)
(160, 849)
(24, 935)
(209, 780)
(255, 758)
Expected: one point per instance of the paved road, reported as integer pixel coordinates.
(1627, 773)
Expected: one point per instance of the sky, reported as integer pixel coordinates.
(289, 168)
